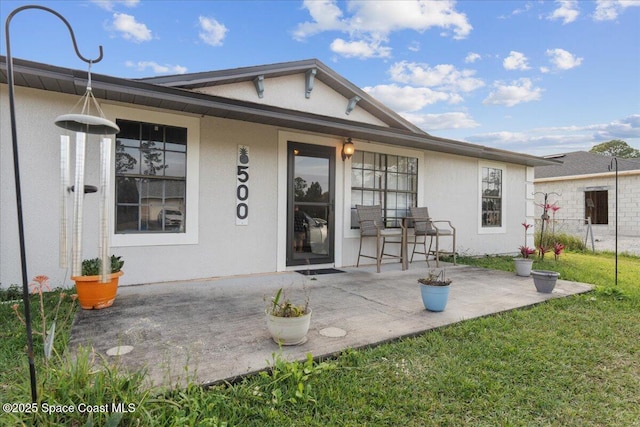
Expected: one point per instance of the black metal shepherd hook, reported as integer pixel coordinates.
(545, 215)
(16, 169)
(614, 161)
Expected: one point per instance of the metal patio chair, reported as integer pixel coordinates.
(425, 227)
(372, 226)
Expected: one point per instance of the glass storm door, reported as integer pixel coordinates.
(310, 231)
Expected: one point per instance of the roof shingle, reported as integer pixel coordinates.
(583, 163)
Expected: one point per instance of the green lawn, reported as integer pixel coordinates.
(567, 362)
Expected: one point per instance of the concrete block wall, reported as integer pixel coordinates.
(571, 200)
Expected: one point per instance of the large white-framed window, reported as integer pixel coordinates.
(492, 178)
(161, 207)
(404, 178)
(389, 180)
(151, 178)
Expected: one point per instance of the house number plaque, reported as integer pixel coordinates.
(242, 186)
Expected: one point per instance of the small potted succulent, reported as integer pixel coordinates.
(94, 294)
(435, 290)
(524, 263)
(288, 323)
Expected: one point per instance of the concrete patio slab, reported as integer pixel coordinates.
(207, 332)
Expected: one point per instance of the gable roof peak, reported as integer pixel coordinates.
(325, 74)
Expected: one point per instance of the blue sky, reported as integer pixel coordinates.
(538, 77)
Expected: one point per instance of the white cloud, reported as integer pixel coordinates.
(360, 49)
(373, 21)
(608, 10)
(326, 16)
(527, 7)
(212, 32)
(629, 127)
(561, 139)
(443, 76)
(531, 142)
(519, 91)
(156, 68)
(472, 57)
(382, 18)
(111, 4)
(567, 11)
(414, 46)
(515, 61)
(430, 122)
(563, 60)
(130, 29)
(407, 98)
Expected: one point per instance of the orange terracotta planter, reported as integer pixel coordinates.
(94, 295)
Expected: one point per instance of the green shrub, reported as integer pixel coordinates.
(13, 292)
(570, 242)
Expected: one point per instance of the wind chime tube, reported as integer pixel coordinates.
(78, 199)
(105, 162)
(64, 210)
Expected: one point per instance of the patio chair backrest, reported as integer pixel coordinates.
(370, 219)
(421, 226)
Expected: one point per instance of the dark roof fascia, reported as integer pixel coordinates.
(206, 78)
(65, 80)
(324, 73)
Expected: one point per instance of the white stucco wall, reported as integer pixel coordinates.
(452, 191)
(448, 185)
(220, 248)
(289, 92)
(39, 151)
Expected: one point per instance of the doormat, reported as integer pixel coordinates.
(319, 271)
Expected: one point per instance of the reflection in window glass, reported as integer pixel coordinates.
(386, 180)
(150, 167)
(491, 197)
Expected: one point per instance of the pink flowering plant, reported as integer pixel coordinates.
(541, 251)
(548, 236)
(557, 250)
(526, 251)
(40, 286)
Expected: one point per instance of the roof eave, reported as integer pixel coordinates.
(65, 80)
(324, 73)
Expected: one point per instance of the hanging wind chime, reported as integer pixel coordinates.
(84, 123)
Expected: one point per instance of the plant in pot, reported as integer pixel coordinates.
(92, 293)
(288, 323)
(435, 290)
(524, 263)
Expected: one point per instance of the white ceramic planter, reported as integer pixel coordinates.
(523, 266)
(289, 330)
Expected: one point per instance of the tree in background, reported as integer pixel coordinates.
(616, 148)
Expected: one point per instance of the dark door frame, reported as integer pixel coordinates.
(321, 151)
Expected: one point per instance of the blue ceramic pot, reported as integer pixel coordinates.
(434, 298)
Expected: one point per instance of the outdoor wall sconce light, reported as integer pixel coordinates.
(82, 123)
(347, 149)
